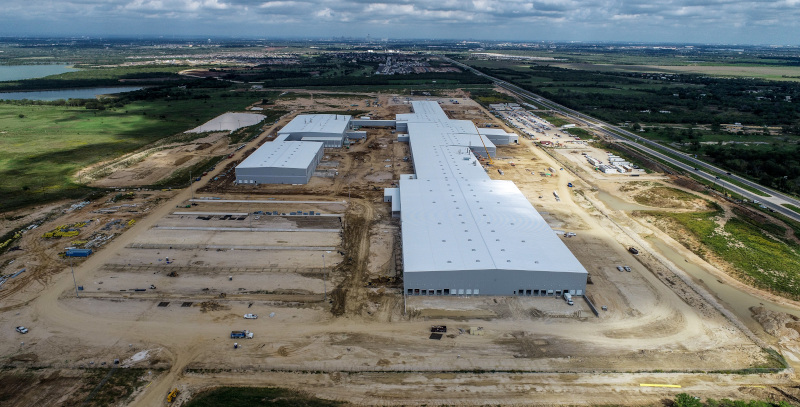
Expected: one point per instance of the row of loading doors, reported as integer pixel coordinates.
(443, 291)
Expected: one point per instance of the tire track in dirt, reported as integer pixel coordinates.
(350, 295)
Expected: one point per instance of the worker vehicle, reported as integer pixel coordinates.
(241, 334)
(633, 250)
(620, 268)
(173, 395)
(568, 298)
(628, 269)
(250, 316)
(22, 329)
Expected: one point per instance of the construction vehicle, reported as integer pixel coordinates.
(241, 334)
(173, 395)
(488, 157)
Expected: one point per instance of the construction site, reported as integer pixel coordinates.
(322, 265)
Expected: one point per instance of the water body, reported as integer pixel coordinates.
(17, 72)
(49, 95)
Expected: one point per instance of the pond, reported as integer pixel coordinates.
(49, 95)
(17, 72)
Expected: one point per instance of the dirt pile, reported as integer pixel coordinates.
(207, 306)
(781, 325)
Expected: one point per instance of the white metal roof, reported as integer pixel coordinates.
(283, 154)
(496, 132)
(317, 123)
(454, 217)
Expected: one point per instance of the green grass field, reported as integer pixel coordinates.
(554, 120)
(41, 146)
(582, 133)
(752, 249)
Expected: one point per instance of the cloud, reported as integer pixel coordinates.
(614, 20)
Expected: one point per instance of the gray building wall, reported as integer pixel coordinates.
(327, 142)
(494, 282)
(372, 123)
(278, 175)
(502, 139)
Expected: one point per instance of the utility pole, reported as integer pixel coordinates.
(324, 278)
(73, 277)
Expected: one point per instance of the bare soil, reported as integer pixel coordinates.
(339, 327)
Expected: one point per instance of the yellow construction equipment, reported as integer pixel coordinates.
(65, 230)
(173, 395)
(488, 157)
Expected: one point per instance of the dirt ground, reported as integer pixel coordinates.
(338, 326)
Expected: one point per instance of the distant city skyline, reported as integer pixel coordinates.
(672, 21)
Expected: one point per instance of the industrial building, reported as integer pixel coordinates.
(280, 162)
(464, 233)
(293, 156)
(328, 129)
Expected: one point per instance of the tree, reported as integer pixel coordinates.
(685, 400)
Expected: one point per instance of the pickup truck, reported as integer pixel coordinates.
(250, 316)
(22, 329)
(241, 334)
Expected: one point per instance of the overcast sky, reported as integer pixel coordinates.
(695, 21)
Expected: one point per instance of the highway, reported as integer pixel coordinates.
(698, 168)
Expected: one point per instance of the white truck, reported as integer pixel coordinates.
(568, 298)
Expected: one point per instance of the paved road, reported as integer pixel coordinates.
(698, 167)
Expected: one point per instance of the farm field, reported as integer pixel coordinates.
(42, 146)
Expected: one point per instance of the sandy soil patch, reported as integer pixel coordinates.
(228, 121)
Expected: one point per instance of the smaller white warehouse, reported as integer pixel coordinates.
(329, 129)
(280, 162)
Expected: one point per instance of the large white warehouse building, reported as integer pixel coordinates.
(280, 162)
(464, 233)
